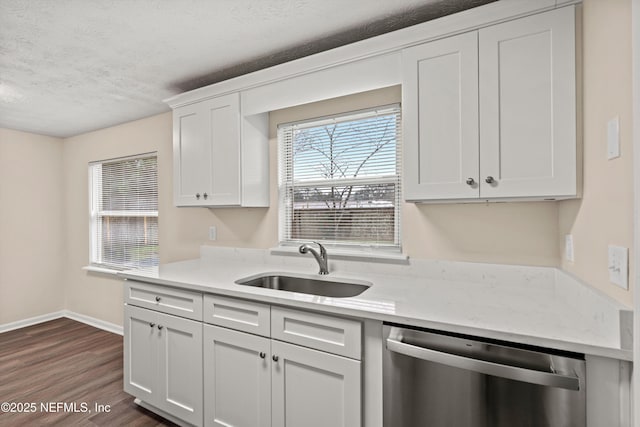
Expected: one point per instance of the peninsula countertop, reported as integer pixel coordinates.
(538, 306)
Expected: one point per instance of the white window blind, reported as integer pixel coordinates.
(124, 212)
(340, 179)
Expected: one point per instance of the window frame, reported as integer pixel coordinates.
(285, 242)
(96, 215)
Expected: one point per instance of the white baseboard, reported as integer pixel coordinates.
(91, 321)
(31, 321)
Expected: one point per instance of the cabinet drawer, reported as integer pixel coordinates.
(327, 333)
(246, 316)
(164, 299)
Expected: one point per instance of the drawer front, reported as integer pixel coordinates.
(164, 299)
(326, 333)
(241, 315)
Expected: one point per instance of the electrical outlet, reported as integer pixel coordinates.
(568, 247)
(613, 138)
(213, 233)
(619, 266)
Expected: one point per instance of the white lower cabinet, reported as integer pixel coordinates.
(254, 381)
(250, 365)
(311, 388)
(163, 362)
(237, 378)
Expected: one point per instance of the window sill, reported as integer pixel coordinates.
(366, 255)
(101, 271)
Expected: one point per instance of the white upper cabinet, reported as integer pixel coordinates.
(220, 158)
(491, 114)
(528, 106)
(440, 92)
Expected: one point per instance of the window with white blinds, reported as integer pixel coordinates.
(340, 179)
(124, 212)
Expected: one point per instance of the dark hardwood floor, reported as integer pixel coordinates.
(66, 362)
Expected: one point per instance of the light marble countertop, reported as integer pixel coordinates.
(531, 305)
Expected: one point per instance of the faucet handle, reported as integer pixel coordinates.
(323, 251)
(321, 257)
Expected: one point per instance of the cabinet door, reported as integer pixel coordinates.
(180, 367)
(237, 379)
(140, 361)
(206, 152)
(191, 154)
(440, 107)
(314, 389)
(528, 106)
(223, 122)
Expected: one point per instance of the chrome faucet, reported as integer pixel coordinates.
(321, 257)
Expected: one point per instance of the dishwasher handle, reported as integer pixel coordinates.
(549, 379)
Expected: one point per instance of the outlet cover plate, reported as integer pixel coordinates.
(613, 138)
(619, 266)
(213, 233)
(568, 247)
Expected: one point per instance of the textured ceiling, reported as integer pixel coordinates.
(72, 66)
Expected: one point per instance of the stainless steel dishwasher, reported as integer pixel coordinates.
(435, 379)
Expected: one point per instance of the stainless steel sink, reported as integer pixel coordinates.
(337, 288)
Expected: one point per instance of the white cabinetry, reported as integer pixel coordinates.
(440, 109)
(163, 362)
(237, 378)
(219, 157)
(163, 352)
(253, 380)
(314, 389)
(491, 114)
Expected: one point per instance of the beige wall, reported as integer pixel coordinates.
(604, 215)
(92, 294)
(521, 233)
(182, 230)
(31, 226)
(508, 233)
(514, 233)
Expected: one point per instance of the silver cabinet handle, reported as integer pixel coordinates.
(483, 367)
(275, 358)
(151, 324)
(470, 181)
(158, 299)
(160, 327)
(489, 180)
(262, 355)
(198, 196)
(205, 195)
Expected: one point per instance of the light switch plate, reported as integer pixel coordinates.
(613, 138)
(213, 233)
(568, 247)
(619, 266)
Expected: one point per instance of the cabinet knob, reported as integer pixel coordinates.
(160, 327)
(262, 355)
(198, 196)
(489, 180)
(470, 181)
(205, 195)
(158, 299)
(151, 324)
(275, 358)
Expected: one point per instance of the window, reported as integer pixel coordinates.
(124, 212)
(340, 180)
